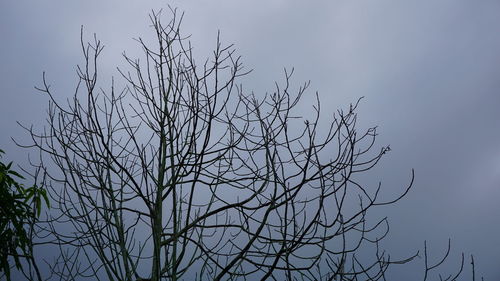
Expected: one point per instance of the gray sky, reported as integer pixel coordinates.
(429, 71)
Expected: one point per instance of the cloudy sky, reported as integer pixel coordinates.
(429, 71)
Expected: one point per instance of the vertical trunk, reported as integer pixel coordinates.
(156, 219)
(157, 229)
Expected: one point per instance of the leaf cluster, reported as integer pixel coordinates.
(18, 207)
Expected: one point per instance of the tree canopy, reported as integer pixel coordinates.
(180, 173)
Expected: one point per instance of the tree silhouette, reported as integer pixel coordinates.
(183, 175)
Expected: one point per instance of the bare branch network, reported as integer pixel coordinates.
(182, 175)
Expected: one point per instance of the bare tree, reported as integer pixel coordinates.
(183, 175)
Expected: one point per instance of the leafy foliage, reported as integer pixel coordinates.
(18, 207)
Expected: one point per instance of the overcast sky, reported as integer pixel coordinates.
(429, 71)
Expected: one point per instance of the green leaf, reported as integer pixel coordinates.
(45, 197)
(38, 205)
(30, 192)
(15, 174)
